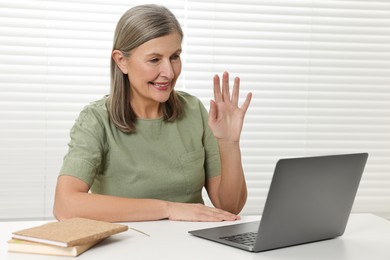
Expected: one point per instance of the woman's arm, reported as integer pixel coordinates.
(228, 191)
(73, 200)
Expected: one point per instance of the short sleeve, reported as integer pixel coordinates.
(86, 149)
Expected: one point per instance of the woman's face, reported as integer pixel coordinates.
(153, 69)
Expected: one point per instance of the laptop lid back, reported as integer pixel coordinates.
(309, 199)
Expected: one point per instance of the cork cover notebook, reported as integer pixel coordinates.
(21, 246)
(71, 232)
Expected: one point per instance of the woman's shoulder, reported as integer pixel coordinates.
(193, 106)
(95, 111)
(188, 99)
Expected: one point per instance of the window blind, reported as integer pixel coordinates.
(319, 72)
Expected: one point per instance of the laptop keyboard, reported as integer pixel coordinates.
(247, 239)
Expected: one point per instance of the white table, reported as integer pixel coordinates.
(367, 237)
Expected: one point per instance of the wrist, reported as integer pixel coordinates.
(222, 143)
(167, 209)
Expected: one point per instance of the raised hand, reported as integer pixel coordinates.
(225, 117)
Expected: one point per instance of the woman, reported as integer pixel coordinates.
(146, 151)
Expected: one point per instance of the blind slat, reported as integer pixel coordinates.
(319, 72)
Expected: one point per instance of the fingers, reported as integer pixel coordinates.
(224, 96)
(214, 214)
(217, 90)
(248, 99)
(213, 111)
(225, 87)
(199, 212)
(235, 95)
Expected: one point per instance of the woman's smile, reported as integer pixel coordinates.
(161, 86)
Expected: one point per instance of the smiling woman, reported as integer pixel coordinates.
(146, 151)
(152, 69)
(140, 28)
(319, 72)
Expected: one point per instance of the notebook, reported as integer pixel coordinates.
(309, 199)
(70, 232)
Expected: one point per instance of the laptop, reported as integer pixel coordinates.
(309, 199)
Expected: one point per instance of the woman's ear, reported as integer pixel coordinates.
(120, 60)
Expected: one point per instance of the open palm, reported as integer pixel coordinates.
(225, 117)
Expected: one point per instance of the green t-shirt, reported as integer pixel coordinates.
(162, 160)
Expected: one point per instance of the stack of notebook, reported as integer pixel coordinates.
(68, 238)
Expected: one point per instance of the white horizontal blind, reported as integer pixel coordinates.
(54, 59)
(319, 72)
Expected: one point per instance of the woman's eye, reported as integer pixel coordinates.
(175, 57)
(155, 60)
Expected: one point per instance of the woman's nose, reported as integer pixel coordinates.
(167, 70)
